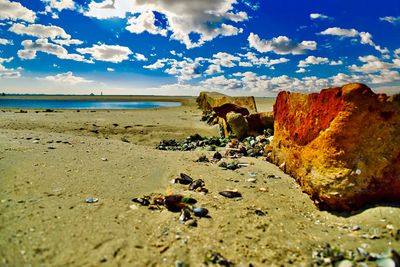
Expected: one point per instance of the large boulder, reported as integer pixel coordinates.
(258, 122)
(342, 145)
(238, 124)
(209, 100)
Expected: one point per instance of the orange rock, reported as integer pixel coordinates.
(342, 145)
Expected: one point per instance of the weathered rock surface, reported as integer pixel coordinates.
(258, 122)
(342, 145)
(238, 124)
(209, 100)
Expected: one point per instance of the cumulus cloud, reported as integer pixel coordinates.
(391, 19)
(186, 69)
(301, 70)
(224, 59)
(160, 63)
(67, 77)
(5, 41)
(371, 64)
(8, 73)
(42, 45)
(365, 37)
(59, 5)
(108, 53)
(206, 18)
(255, 60)
(40, 31)
(336, 63)
(312, 60)
(281, 45)
(15, 11)
(55, 33)
(336, 31)
(145, 21)
(140, 57)
(315, 16)
(213, 69)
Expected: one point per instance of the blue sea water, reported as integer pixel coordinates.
(83, 104)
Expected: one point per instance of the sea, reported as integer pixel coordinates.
(83, 104)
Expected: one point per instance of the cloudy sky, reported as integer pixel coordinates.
(181, 47)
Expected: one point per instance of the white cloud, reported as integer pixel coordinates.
(336, 63)
(173, 52)
(340, 32)
(145, 22)
(397, 52)
(15, 11)
(213, 69)
(160, 63)
(186, 69)
(281, 45)
(40, 31)
(371, 64)
(255, 60)
(110, 69)
(59, 5)
(108, 53)
(8, 73)
(222, 83)
(301, 70)
(206, 18)
(68, 42)
(42, 45)
(319, 16)
(312, 60)
(140, 57)
(391, 19)
(384, 77)
(5, 41)
(224, 59)
(365, 37)
(67, 77)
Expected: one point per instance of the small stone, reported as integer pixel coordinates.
(35, 141)
(263, 189)
(230, 194)
(251, 180)
(191, 222)
(385, 263)
(92, 200)
(104, 159)
(355, 228)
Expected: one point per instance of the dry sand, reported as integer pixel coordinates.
(51, 162)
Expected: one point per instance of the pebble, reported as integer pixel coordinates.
(92, 200)
(35, 141)
(251, 180)
(200, 212)
(104, 159)
(263, 189)
(230, 194)
(191, 222)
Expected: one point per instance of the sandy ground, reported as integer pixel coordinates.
(51, 162)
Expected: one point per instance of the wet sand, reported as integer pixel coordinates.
(51, 162)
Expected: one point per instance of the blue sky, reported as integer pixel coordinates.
(181, 47)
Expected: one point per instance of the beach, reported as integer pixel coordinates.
(51, 162)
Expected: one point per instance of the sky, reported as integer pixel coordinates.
(182, 47)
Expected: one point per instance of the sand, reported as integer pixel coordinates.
(51, 162)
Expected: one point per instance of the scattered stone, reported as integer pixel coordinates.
(184, 179)
(35, 141)
(115, 124)
(104, 159)
(217, 156)
(260, 212)
(230, 194)
(191, 222)
(199, 183)
(202, 158)
(94, 131)
(217, 258)
(92, 200)
(200, 212)
(124, 139)
(251, 180)
(185, 215)
(263, 189)
(144, 201)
